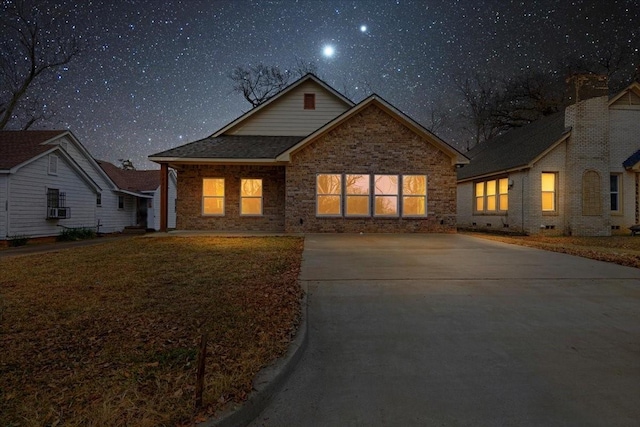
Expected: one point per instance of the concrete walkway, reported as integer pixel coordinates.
(452, 330)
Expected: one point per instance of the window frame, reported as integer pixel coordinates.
(497, 196)
(377, 195)
(261, 197)
(121, 203)
(223, 197)
(424, 196)
(347, 195)
(52, 160)
(339, 195)
(554, 193)
(99, 200)
(618, 193)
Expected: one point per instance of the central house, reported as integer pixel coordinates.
(310, 160)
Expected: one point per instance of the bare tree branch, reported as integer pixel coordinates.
(32, 45)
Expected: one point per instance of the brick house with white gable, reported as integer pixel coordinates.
(310, 160)
(573, 173)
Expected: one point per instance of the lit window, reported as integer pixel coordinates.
(357, 193)
(548, 192)
(328, 194)
(309, 101)
(386, 195)
(414, 195)
(492, 195)
(213, 196)
(250, 197)
(615, 193)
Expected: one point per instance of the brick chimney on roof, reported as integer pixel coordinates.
(585, 86)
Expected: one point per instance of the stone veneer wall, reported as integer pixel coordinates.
(371, 142)
(189, 203)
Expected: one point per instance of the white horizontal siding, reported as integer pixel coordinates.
(287, 116)
(28, 199)
(171, 206)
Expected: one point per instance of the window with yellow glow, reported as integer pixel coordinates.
(492, 195)
(386, 195)
(357, 195)
(250, 196)
(329, 194)
(213, 196)
(548, 192)
(414, 195)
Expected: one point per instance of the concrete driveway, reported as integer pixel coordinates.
(452, 330)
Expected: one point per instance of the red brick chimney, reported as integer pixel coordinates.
(585, 86)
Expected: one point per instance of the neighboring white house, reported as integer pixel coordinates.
(49, 181)
(575, 173)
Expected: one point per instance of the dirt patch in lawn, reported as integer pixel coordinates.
(109, 334)
(623, 250)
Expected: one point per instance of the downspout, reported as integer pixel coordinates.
(637, 201)
(6, 207)
(525, 174)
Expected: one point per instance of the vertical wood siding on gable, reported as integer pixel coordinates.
(287, 116)
(28, 200)
(629, 101)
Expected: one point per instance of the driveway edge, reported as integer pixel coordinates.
(269, 379)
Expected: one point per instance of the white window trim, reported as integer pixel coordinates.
(397, 196)
(253, 197)
(124, 202)
(223, 197)
(618, 211)
(555, 194)
(485, 211)
(426, 189)
(52, 158)
(346, 195)
(341, 196)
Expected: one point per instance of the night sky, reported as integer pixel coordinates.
(153, 74)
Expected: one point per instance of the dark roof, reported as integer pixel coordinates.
(132, 180)
(16, 147)
(516, 148)
(233, 147)
(632, 160)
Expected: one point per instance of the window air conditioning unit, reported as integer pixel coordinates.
(58, 213)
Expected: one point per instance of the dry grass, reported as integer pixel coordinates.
(623, 250)
(108, 334)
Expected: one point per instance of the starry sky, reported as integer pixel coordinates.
(154, 74)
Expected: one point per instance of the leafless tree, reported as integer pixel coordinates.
(479, 93)
(35, 42)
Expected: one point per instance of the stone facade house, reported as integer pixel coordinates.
(309, 160)
(573, 173)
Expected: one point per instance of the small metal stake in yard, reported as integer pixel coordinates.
(202, 355)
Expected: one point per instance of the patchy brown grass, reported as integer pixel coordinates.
(108, 334)
(623, 250)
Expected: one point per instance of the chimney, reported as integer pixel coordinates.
(585, 86)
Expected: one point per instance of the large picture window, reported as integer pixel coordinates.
(251, 197)
(357, 193)
(548, 191)
(414, 195)
(492, 195)
(213, 196)
(386, 195)
(329, 194)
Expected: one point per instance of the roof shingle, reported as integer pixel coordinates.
(233, 147)
(132, 180)
(516, 148)
(16, 147)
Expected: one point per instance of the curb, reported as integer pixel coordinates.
(269, 380)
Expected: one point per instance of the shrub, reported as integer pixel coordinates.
(71, 234)
(16, 241)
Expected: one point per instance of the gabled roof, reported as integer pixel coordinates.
(456, 156)
(17, 147)
(230, 148)
(633, 87)
(136, 181)
(303, 79)
(516, 149)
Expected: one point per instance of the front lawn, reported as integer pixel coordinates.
(623, 250)
(109, 334)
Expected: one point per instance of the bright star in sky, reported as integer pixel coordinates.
(363, 28)
(328, 51)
